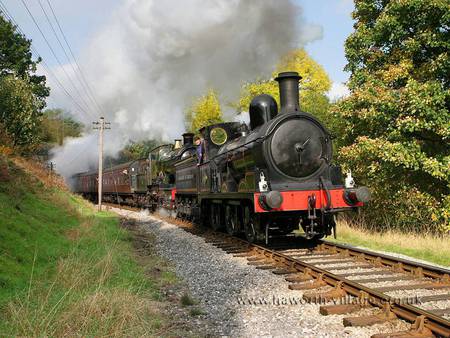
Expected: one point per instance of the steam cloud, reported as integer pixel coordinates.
(154, 57)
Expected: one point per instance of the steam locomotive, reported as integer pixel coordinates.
(264, 181)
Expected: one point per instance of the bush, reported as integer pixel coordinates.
(394, 128)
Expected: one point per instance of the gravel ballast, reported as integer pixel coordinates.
(239, 300)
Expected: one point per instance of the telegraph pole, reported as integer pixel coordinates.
(51, 168)
(101, 127)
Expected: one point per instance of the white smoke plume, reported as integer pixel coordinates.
(154, 57)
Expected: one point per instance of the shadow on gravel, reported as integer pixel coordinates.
(217, 279)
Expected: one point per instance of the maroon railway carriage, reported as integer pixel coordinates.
(124, 183)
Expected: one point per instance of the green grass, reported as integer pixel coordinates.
(196, 312)
(426, 247)
(67, 270)
(187, 300)
(31, 235)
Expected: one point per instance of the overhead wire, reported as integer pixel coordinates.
(54, 53)
(81, 73)
(48, 69)
(92, 93)
(77, 74)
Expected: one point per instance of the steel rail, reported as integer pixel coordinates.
(430, 271)
(438, 325)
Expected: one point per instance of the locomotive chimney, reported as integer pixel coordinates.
(289, 97)
(188, 139)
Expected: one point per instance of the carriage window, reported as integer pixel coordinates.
(218, 136)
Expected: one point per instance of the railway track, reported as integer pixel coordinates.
(345, 280)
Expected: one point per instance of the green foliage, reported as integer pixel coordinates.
(18, 113)
(394, 128)
(57, 125)
(314, 85)
(133, 151)
(16, 59)
(187, 300)
(204, 111)
(22, 92)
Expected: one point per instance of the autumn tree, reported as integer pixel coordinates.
(314, 85)
(395, 125)
(22, 92)
(204, 111)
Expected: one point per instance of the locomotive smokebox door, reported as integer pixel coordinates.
(296, 147)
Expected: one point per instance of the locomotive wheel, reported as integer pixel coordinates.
(230, 220)
(216, 217)
(250, 233)
(249, 227)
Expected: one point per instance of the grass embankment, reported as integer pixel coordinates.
(68, 271)
(429, 248)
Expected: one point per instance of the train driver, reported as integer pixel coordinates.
(200, 143)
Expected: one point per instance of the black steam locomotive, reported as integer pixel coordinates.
(265, 180)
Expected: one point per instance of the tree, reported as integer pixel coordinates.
(22, 92)
(204, 111)
(18, 113)
(133, 151)
(16, 59)
(57, 125)
(315, 84)
(395, 125)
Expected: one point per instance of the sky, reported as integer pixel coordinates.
(146, 60)
(82, 19)
(335, 18)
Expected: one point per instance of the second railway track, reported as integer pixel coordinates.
(345, 280)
